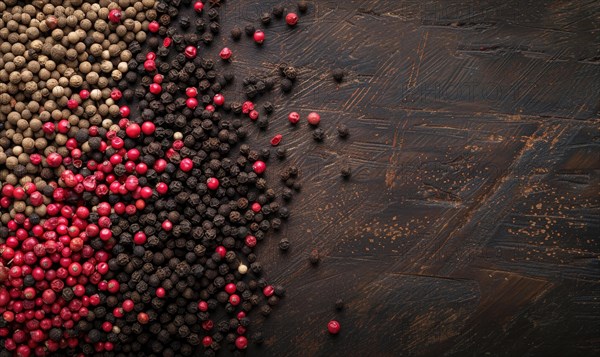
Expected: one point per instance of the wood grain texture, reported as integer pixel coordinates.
(470, 225)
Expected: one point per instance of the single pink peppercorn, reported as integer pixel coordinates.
(314, 118)
(225, 53)
(212, 183)
(259, 36)
(190, 52)
(253, 115)
(230, 288)
(219, 99)
(268, 290)
(191, 92)
(333, 327)
(191, 103)
(155, 88)
(241, 343)
(153, 27)
(276, 140)
(115, 15)
(186, 165)
(291, 19)
(294, 117)
(259, 167)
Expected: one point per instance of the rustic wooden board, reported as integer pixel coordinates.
(471, 223)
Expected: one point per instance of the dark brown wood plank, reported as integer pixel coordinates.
(471, 223)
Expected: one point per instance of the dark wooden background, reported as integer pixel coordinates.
(470, 225)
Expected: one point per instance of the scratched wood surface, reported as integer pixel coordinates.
(470, 225)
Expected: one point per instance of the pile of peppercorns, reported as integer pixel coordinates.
(129, 206)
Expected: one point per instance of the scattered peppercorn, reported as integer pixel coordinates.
(343, 130)
(122, 144)
(314, 257)
(338, 74)
(318, 134)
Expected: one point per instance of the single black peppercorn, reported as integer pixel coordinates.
(302, 6)
(338, 74)
(346, 171)
(314, 257)
(236, 33)
(249, 29)
(265, 18)
(284, 244)
(278, 11)
(286, 85)
(318, 134)
(343, 130)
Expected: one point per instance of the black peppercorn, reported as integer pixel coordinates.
(265, 18)
(249, 29)
(314, 257)
(346, 171)
(318, 134)
(284, 244)
(286, 85)
(338, 74)
(302, 6)
(236, 33)
(343, 130)
(278, 11)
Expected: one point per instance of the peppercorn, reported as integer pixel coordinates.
(236, 33)
(265, 18)
(302, 6)
(343, 130)
(249, 30)
(314, 257)
(286, 85)
(284, 244)
(278, 11)
(318, 134)
(338, 75)
(346, 171)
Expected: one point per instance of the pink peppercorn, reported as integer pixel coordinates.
(250, 241)
(259, 167)
(212, 183)
(225, 53)
(153, 27)
(190, 52)
(276, 140)
(191, 103)
(333, 327)
(259, 36)
(268, 290)
(254, 115)
(291, 19)
(133, 131)
(149, 65)
(186, 165)
(230, 288)
(160, 293)
(294, 117)
(241, 343)
(155, 88)
(114, 16)
(191, 92)
(116, 94)
(219, 99)
(314, 118)
(148, 128)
